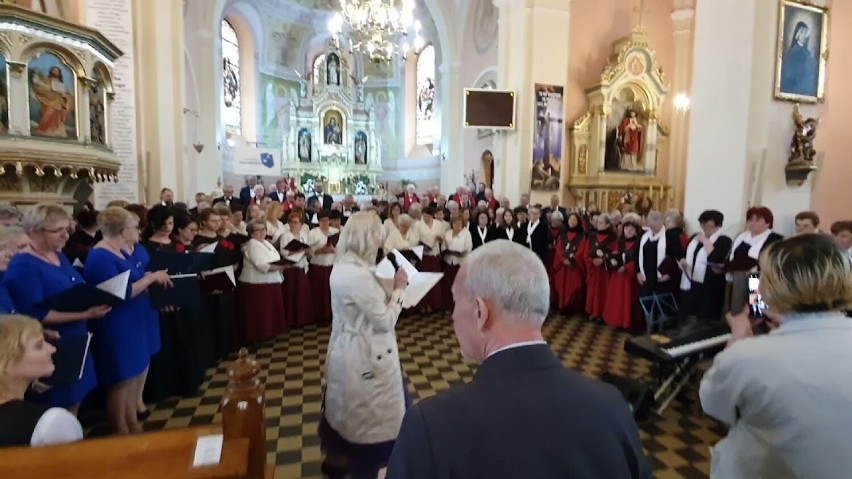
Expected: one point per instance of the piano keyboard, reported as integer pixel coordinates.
(696, 346)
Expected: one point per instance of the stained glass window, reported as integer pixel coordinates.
(231, 79)
(425, 125)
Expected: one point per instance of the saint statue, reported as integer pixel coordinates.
(333, 70)
(361, 149)
(304, 146)
(630, 133)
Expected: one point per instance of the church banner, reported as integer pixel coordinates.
(547, 138)
(249, 160)
(114, 18)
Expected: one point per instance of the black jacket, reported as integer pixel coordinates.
(524, 415)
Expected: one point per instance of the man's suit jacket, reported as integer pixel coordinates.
(324, 199)
(524, 415)
(546, 212)
(245, 195)
(540, 239)
(279, 199)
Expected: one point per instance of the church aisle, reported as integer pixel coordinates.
(677, 443)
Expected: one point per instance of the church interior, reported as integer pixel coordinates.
(252, 111)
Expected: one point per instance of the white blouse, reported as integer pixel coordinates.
(316, 240)
(259, 254)
(460, 244)
(286, 238)
(396, 241)
(389, 227)
(429, 235)
(275, 230)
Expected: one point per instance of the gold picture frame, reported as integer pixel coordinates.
(800, 61)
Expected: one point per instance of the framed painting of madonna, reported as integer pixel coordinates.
(801, 52)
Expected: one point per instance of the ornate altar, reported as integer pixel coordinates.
(334, 136)
(55, 95)
(617, 144)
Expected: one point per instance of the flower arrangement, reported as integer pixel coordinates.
(358, 185)
(308, 182)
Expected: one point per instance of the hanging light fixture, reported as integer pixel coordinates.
(378, 27)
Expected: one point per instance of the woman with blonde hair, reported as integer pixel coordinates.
(40, 272)
(124, 341)
(12, 241)
(786, 394)
(26, 357)
(362, 411)
(274, 227)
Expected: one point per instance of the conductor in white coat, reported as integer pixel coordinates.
(365, 397)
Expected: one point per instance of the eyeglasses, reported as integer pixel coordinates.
(56, 231)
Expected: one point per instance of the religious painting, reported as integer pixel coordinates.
(425, 124)
(360, 148)
(625, 136)
(4, 97)
(304, 147)
(332, 128)
(547, 144)
(278, 95)
(52, 97)
(801, 52)
(332, 69)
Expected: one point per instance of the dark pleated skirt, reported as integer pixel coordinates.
(433, 301)
(261, 311)
(321, 292)
(446, 285)
(298, 298)
(222, 318)
(178, 369)
(362, 460)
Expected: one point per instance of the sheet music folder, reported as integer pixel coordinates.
(69, 359)
(180, 263)
(185, 293)
(218, 280)
(419, 283)
(296, 245)
(84, 296)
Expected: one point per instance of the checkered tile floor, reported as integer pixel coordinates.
(677, 443)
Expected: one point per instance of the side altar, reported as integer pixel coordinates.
(332, 135)
(616, 145)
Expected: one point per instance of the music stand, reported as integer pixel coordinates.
(658, 309)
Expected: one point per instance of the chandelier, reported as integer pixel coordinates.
(379, 27)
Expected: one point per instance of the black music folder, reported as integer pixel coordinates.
(180, 263)
(410, 255)
(296, 245)
(668, 267)
(334, 239)
(742, 263)
(185, 293)
(218, 280)
(84, 296)
(614, 262)
(69, 359)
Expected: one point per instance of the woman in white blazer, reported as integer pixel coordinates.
(261, 302)
(365, 398)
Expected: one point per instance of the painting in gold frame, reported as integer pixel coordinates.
(802, 51)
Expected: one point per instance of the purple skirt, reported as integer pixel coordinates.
(362, 460)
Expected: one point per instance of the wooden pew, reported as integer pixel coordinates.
(157, 455)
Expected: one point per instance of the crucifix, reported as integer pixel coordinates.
(640, 12)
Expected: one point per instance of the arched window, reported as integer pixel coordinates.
(231, 79)
(425, 124)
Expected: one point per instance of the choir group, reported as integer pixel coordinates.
(281, 247)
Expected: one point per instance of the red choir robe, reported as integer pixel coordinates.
(409, 200)
(569, 281)
(597, 277)
(492, 204)
(622, 306)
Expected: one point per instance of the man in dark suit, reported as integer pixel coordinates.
(536, 234)
(524, 415)
(280, 193)
(227, 197)
(247, 192)
(324, 199)
(554, 206)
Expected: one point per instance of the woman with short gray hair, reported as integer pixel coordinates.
(365, 398)
(41, 271)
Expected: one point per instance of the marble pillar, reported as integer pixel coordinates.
(533, 37)
(682, 22)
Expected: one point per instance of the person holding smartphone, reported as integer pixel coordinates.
(786, 394)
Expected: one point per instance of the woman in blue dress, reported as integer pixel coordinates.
(122, 342)
(12, 241)
(41, 271)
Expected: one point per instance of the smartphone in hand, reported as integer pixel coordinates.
(755, 301)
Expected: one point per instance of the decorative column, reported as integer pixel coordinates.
(682, 22)
(158, 31)
(650, 148)
(598, 138)
(84, 130)
(452, 142)
(533, 40)
(19, 122)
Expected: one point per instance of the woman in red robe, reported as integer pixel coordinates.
(621, 310)
(569, 269)
(603, 240)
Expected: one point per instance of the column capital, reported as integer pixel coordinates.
(682, 20)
